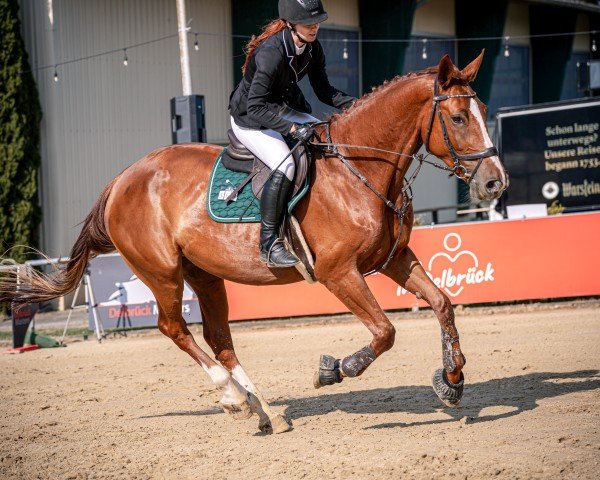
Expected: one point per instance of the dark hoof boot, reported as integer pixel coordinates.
(449, 393)
(328, 373)
(278, 256)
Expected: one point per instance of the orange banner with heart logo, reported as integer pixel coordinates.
(551, 257)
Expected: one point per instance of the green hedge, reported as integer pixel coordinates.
(20, 116)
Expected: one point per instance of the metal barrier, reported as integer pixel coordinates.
(460, 208)
(10, 264)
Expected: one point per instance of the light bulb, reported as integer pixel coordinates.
(506, 50)
(196, 46)
(125, 61)
(424, 53)
(594, 47)
(55, 75)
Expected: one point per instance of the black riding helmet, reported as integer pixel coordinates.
(305, 12)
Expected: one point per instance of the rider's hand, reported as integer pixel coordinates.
(301, 132)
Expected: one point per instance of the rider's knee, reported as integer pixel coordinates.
(288, 168)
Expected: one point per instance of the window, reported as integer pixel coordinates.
(343, 72)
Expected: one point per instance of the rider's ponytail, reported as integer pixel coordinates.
(269, 30)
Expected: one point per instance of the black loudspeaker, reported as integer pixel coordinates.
(187, 119)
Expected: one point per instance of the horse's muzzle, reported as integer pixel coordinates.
(487, 189)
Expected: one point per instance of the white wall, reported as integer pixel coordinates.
(102, 116)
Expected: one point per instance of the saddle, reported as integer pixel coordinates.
(238, 158)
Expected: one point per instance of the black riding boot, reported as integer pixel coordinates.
(272, 206)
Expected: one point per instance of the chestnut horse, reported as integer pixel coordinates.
(154, 213)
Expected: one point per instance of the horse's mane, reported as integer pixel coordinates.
(381, 89)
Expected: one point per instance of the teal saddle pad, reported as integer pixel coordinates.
(246, 207)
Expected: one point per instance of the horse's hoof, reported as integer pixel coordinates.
(328, 373)
(449, 393)
(276, 424)
(317, 380)
(241, 411)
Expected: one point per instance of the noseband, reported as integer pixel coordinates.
(458, 169)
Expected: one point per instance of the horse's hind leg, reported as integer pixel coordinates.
(163, 275)
(406, 270)
(213, 303)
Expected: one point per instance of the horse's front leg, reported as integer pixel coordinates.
(408, 272)
(349, 286)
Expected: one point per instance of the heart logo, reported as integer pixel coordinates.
(453, 270)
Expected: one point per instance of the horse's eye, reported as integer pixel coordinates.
(458, 119)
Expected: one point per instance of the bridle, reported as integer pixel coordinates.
(331, 148)
(458, 169)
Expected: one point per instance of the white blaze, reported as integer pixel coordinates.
(474, 107)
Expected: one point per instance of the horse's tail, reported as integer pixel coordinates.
(26, 285)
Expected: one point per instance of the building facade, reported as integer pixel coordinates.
(101, 115)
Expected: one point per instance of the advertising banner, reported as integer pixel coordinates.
(552, 257)
(123, 300)
(20, 322)
(552, 153)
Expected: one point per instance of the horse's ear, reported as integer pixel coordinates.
(446, 70)
(470, 71)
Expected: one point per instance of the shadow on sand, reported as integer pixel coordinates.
(518, 393)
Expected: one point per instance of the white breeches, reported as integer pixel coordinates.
(269, 145)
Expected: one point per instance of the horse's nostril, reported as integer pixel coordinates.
(493, 186)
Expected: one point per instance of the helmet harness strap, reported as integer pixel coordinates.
(301, 39)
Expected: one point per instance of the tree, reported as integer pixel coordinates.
(20, 116)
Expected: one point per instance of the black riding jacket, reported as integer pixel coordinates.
(271, 80)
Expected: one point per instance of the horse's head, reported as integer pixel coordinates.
(455, 131)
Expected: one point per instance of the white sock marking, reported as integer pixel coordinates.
(221, 378)
(240, 376)
(217, 374)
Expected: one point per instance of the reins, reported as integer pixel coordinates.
(331, 148)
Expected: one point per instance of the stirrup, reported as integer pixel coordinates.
(265, 257)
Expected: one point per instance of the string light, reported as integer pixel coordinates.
(506, 50)
(592, 33)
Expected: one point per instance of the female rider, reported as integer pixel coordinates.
(268, 106)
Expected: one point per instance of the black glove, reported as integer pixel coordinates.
(302, 133)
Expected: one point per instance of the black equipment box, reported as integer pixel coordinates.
(187, 119)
